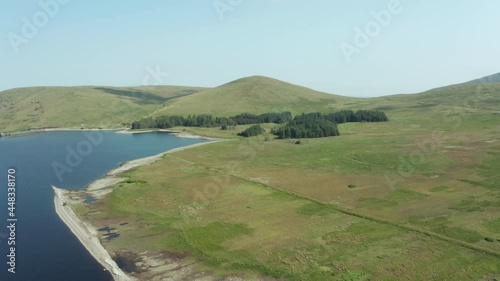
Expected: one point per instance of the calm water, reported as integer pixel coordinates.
(46, 250)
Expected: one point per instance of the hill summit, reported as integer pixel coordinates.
(255, 94)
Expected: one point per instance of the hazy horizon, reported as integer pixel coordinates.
(357, 49)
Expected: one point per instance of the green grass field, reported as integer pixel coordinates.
(229, 205)
(415, 198)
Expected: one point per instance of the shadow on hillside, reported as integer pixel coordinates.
(139, 97)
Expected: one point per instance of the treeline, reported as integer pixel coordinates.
(317, 125)
(311, 125)
(345, 116)
(247, 118)
(205, 120)
(165, 122)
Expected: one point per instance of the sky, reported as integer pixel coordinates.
(353, 48)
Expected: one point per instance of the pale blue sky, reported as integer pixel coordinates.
(426, 44)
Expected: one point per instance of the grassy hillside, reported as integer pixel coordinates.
(255, 94)
(37, 107)
(495, 78)
(468, 95)
(261, 94)
(416, 198)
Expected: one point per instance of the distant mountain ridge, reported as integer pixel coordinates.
(113, 107)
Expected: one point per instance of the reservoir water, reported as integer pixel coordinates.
(46, 250)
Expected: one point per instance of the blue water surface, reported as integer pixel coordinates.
(46, 250)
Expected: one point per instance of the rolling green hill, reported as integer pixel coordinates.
(256, 94)
(480, 94)
(38, 107)
(486, 96)
(259, 94)
(415, 198)
(495, 78)
(109, 107)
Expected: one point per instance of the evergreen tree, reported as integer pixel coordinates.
(252, 131)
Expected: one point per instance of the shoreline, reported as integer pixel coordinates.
(177, 133)
(36, 131)
(87, 233)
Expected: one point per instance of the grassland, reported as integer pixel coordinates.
(415, 198)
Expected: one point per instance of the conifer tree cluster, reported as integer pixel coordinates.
(310, 125)
(207, 121)
(345, 116)
(252, 131)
